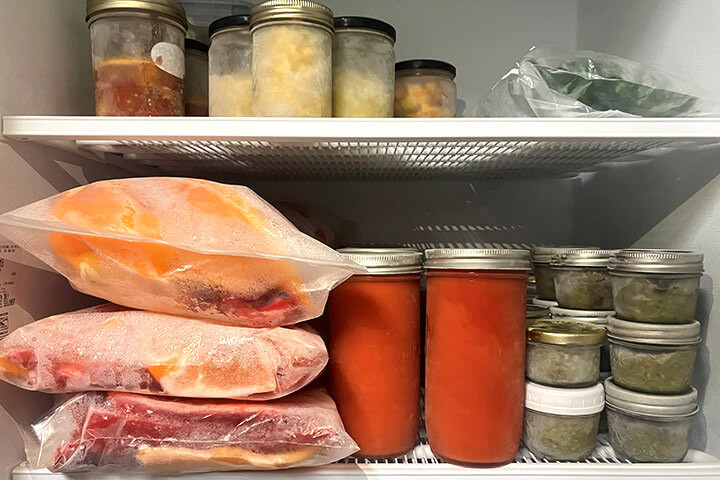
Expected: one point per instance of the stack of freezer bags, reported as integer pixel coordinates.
(205, 380)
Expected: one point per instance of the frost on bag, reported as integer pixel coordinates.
(112, 348)
(181, 246)
(552, 83)
(116, 431)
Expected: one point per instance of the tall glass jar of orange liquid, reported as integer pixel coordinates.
(374, 346)
(475, 353)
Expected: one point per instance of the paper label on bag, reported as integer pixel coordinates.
(8, 278)
(169, 58)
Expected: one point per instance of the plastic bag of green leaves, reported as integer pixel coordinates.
(550, 83)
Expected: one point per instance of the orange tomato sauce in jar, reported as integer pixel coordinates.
(374, 346)
(475, 354)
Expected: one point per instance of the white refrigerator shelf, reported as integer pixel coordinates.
(315, 148)
(422, 464)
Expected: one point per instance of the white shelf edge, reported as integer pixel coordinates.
(338, 129)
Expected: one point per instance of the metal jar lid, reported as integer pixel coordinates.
(421, 64)
(582, 257)
(477, 259)
(650, 405)
(598, 317)
(544, 254)
(654, 333)
(291, 11)
(231, 21)
(656, 261)
(385, 261)
(168, 8)
(365, 23)
(533, 311)
(565, 332)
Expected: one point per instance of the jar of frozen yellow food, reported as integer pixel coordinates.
(363, 68)
(230, 67)
(292, 59)
(425, 88)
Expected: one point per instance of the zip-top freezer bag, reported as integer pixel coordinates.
(113, 348)
(114, 431)
(181, 246)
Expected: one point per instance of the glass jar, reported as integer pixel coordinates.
(564, 353)
(292, 59)
(582, 280)
(475, 353)
(653, 358)
(649, 428)
(543, 273)
(561, 424)
(425, 88)
(196, 78)
(138, 57)
(363, 68)
(374, 345)
(596, 317)
(231, 67)
(656, 286)
(603, 425)
(534, 313)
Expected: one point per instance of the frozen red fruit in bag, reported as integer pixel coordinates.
(182, 246)
(113, 348)
(113, 431)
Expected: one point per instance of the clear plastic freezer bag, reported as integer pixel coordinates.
(114, 431)
(181, 246)
(113, 348)
(549, 82)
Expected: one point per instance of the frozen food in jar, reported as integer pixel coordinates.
(582, 280)
(425, 88)
(595, 317)
(656, 286)
(542, 255)
(363, 67)
(121, 432)
(561, 424)
(231, 67)
(138, 57)
(182, 246)
(564, 353)
(649, 428)
(114, 348)
(292, 59)
(653, 358)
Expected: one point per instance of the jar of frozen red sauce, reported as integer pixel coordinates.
(374, 345)
(475, 353)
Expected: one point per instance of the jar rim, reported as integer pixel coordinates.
(365, 23)
(566, 332)
(650, 403)
(291, 11)
(657, 261)
(228, 22)
(167, 8)
(424, 64)
(477, 259)
(665, 334)
(385, 260)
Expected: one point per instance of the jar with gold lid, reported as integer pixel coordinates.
(138, 56)
(292, 59)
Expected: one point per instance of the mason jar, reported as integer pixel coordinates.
(138, 56)
(425, 88)
(292, 59)
(363, 67)
(543, 273)
(582, 280)
(649, 428)
(564, 353)
(196, 78)
(653, 358)
(561, 424)
(656, 286)
(231, 67)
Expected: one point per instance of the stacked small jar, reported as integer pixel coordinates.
(565, 355)
(653, 344)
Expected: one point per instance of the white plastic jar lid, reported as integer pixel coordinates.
(564, 401)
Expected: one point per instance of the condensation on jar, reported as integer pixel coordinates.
(138, 57)
(196, 78)
(292, 59)
(374, 345)
(475, 353)
(425, 88)
(231, 67)
(363, 67)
